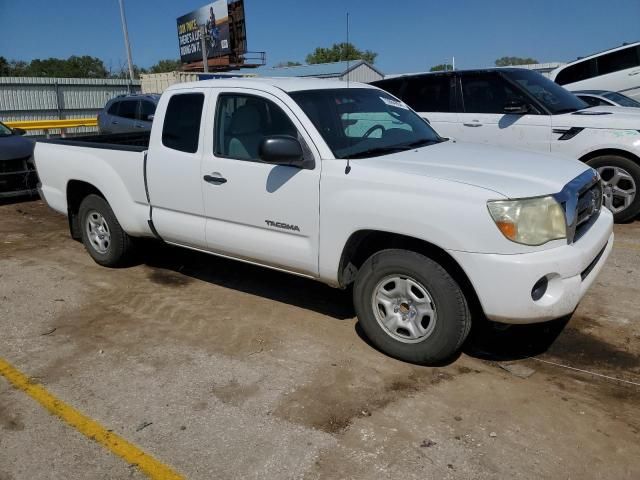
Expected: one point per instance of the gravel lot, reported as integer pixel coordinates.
(224, 370)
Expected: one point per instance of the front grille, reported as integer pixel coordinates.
(589, 205)
(581, 199)
(17, 176)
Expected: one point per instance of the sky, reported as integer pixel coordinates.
(408, 35)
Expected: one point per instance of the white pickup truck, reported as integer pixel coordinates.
(346, 185)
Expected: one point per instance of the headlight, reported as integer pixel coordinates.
(530, 221)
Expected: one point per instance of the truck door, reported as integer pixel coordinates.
(173, 168)
(482, 118)
(257, 211)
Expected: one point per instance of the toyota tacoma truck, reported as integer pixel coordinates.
(347, 185)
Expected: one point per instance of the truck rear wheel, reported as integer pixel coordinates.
(410, 307)
(102, 235)
(621, 178)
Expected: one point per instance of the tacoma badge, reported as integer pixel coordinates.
(284, 226)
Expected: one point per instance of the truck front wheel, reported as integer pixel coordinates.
(410, 307)
(102, 235)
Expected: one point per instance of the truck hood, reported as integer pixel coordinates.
(616, 118)
(510, 172)
(14, 146)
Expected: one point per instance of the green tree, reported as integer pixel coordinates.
(340, 52)
(288, 63)
(441, 67)
(507, 61)
(18, 68)
(4, 67)
(122, 71)
(166, 65)
(72, 67)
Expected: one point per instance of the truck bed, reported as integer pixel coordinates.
(131, 142)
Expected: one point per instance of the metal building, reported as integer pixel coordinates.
(41, 98)
(354, 71)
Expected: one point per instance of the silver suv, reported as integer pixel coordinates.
(128, 113)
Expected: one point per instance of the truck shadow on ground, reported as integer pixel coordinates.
(272, 284)
(485, 341)
(492, 342)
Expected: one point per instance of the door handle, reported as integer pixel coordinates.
(472, 124)
(214, 180)
(635, 72)
(114, 123)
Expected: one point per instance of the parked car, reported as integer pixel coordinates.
(617, 69)
(515, 107)
(128, 113)
(597, 98)
(347, 186)
(17, 170)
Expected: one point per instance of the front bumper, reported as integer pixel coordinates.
(503, 283)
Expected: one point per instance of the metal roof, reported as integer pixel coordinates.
(318, 70)
(288, 84)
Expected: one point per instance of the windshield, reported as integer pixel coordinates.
(621, 99)
(364, 122)
(555, 98)
(4, 130)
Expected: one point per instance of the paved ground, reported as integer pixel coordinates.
(223, 370)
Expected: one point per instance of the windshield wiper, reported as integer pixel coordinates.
(421, 143)
(372, 152)
(565, 110)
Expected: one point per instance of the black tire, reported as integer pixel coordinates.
(452, 319)
(633, 169)
(119, 248)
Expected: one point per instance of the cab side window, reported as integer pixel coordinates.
(243, 121)
(113, 109)
(487, 93)
(128, 109)
(430, 93)
(146, 108)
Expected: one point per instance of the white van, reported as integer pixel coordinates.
(617, 70)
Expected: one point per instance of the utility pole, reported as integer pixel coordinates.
(203, 47)
(126, 40)
(453, 63)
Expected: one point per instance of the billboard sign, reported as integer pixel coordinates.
(215, 18)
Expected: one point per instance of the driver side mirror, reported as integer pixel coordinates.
(516, 107)
(150, 117)
(282, 150)
(18, 131)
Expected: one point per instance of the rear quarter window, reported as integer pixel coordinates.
(578, 72)
(181, 129)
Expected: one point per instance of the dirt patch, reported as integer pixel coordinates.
(234, 393)
(331, 402)
(10, 421)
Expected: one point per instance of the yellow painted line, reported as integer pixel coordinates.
(88, 427)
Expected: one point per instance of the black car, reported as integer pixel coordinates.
(17, 170)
